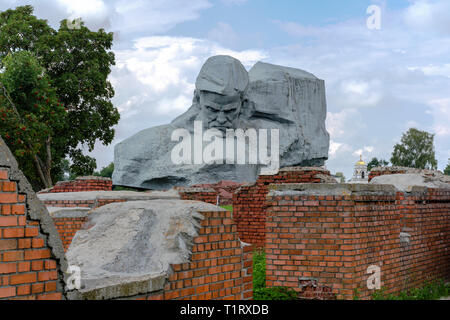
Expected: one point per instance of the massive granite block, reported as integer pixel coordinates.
(294, 101)
(228, 97)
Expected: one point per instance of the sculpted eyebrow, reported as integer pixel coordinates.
(229, 107)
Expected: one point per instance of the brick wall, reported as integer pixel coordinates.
(27, 268)
(219, 269)
(90, 183)
(67, 228)
(208, 195)
(322, 243)
(249, 200)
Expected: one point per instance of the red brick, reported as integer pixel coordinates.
(24, 243)
(37, 287)
(23, 278)
(8, 268)
(37, 243)
(23, 290)
(37, 254)
(12, 256)
(3, 175)
(50, 296)
(31, 231)
(8, 221)
(8, 244)
(24, 266)
(47, 275)
(18, 209)
(9, 291)
(8, 198)
(5, 209)
(13, 233)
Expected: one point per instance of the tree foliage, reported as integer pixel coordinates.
(106, 172)
(416, 150)
(447, 169)
(76, 62)
(31, 116)
(376, 163)
(341, 177)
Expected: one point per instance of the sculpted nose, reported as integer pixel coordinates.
(221, 118)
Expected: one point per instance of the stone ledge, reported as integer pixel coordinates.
(298, 168)
(127, 287)
(328, 189)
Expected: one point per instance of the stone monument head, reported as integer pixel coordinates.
(220, 92)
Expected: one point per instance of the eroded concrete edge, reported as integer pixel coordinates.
(36, 211)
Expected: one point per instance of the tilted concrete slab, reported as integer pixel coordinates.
(108, 195)
(126, 248)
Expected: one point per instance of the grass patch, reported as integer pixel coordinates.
(430, 291)
(228, 207)
(260, 292)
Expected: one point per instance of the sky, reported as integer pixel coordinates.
(379, 82)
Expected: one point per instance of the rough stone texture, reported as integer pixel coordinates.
(133, 239)
(35, 236)
(287, 99)
(406, 181)
(294, 101)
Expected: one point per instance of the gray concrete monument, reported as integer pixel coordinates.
(227, 97)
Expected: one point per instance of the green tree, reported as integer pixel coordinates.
(77, 62)
(341, 177)
(447, 168)
(376, 163)
(31, 116)
(416, 150)
(106, 172)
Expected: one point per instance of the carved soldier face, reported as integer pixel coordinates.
(219, 111)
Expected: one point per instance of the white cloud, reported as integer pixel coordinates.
(120, 16)
(440, 109)
(429, 16)
(364, 152)
(434, 70)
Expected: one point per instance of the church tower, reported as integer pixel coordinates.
(360, 174)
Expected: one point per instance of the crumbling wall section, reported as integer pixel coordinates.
(31, 252)
(329, 236)
(80, 184)
(249, 200)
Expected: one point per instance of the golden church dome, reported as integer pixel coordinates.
(361, 162)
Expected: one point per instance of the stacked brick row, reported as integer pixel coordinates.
(208, 195)
(219, 267)
(67, 228)
(27, 269)
(249, 201)
(333, 240)
(82, 184)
